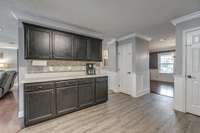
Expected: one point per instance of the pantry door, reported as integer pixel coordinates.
(193, 72)
(125, 84)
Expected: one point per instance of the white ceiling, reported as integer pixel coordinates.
(113, 18)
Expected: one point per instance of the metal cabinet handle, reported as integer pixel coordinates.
(40, 87)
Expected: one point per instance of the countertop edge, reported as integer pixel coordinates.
(54, 79)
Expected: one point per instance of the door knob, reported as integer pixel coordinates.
(190, 77)
(129, 72)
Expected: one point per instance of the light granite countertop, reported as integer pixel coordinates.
(57, 78)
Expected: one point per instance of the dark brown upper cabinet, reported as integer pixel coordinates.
(62, 45)
(37, 43)
(45, 43)
(94, 49)
(80, 48)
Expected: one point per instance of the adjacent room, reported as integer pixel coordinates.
(93, 66)
(162, 56)
(9, 88)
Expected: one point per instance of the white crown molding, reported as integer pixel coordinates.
(144, 37)
(112, 41)
(134, 35)
(53, 23)
(126, 37)
(186, 18)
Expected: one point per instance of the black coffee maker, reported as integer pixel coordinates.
(90, 69)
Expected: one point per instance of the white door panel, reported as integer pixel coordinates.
(193, 72)
(125, 68)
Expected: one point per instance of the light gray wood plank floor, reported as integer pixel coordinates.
(123, 114)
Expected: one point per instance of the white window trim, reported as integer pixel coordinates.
(161, 54)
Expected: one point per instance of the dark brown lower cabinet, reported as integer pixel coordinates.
(101, 91)
(86, 95)
(43, 101)
(39, 106)
(67, 99)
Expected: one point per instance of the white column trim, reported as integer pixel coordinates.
(20, 114)
(134, 35)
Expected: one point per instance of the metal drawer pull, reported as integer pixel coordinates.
(40, 87)
(190, 77)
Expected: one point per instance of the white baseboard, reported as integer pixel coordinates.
(141, 93)
(20, 114)
(114, 90)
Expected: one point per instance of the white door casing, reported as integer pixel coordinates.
(125, 68)
(193, 72)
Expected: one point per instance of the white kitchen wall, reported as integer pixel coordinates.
(140, 66)
(141, 55)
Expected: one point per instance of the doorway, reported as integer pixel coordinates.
(162, 72)
(193, 72)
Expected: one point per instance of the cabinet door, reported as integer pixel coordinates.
(86, 95)
(101, 89)
(80, 48)
(94, 52)
(39, 106)
(62, 45)
(37, 43)
(67, 99)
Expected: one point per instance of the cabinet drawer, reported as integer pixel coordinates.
(86, 81)
(99, 79)
(66, 83)
(38, 86)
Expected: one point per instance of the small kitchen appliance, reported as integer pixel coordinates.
(90, 69)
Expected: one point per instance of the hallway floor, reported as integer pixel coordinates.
(162, 88)
(9, 122)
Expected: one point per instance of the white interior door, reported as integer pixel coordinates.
(193, 72)
(125, 68)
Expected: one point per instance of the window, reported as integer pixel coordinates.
(166, 62)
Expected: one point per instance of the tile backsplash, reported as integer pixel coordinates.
(59, 66)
